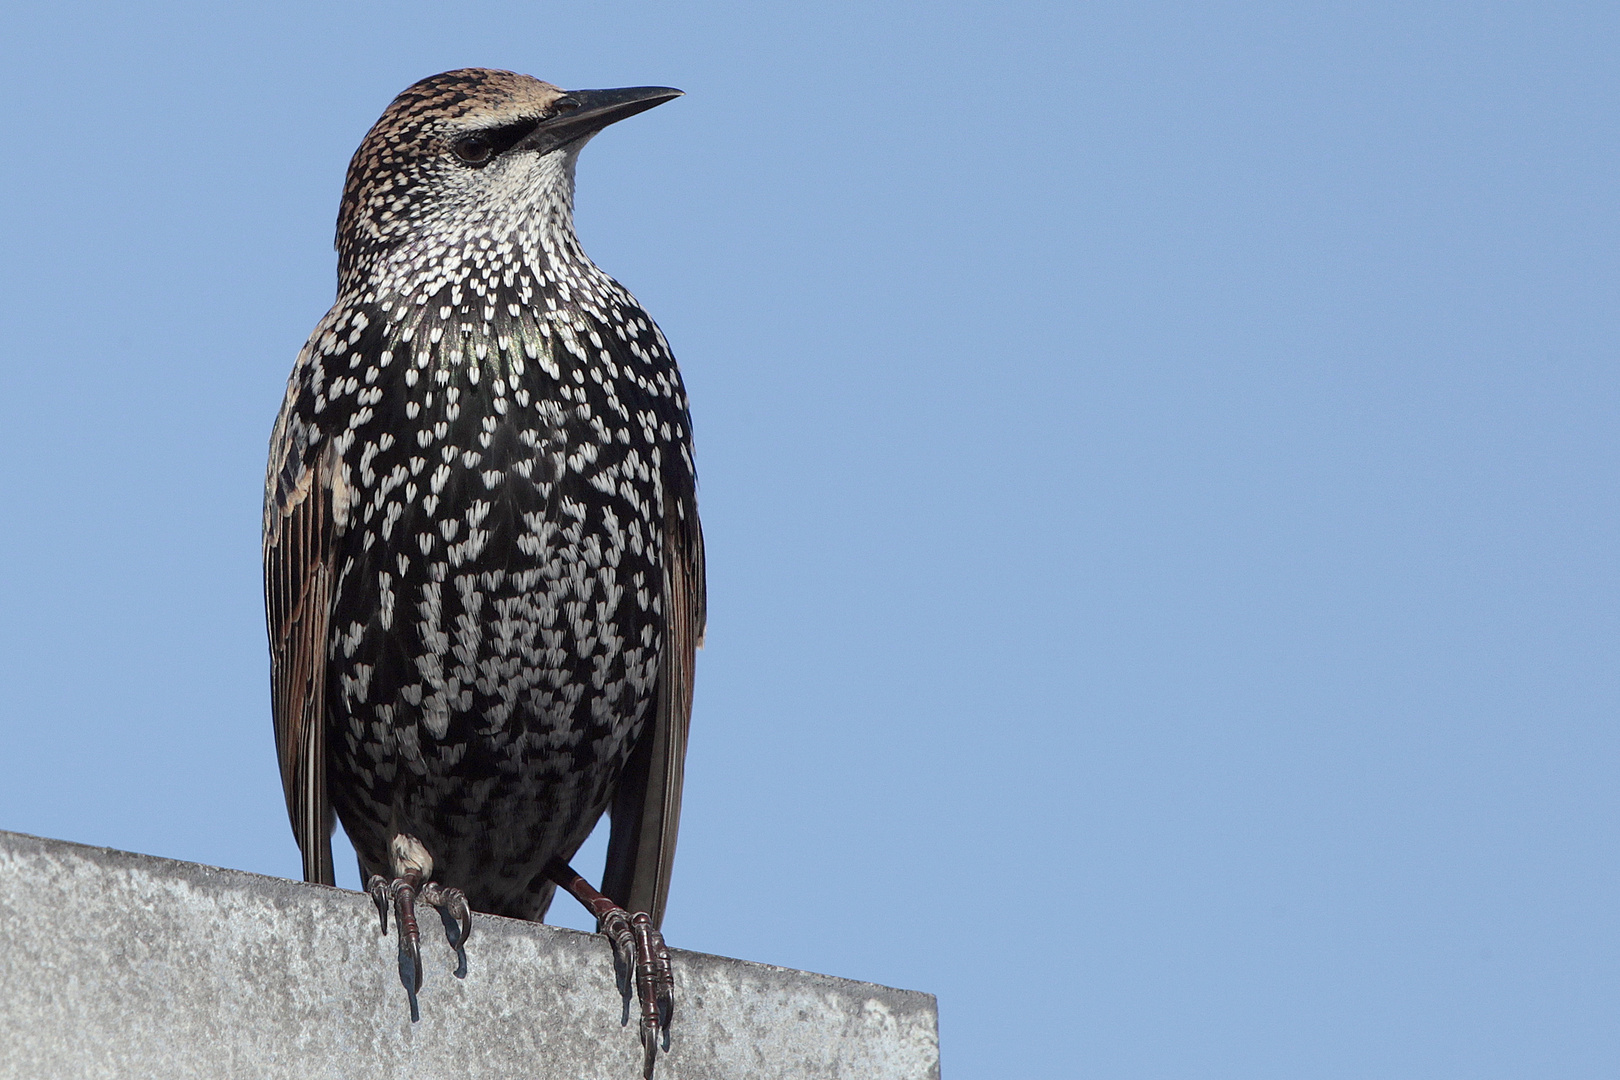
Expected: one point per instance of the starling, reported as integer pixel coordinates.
(483, 564)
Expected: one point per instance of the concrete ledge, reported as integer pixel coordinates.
(120, 965)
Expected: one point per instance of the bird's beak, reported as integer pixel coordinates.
(592, 111)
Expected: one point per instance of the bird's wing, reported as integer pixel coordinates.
(647, 808)
(299, 531)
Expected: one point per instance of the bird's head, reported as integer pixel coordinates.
(471, 154)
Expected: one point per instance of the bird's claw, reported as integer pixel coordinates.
(615, 926)
(456, 917)
(641, 959)
(403, 892)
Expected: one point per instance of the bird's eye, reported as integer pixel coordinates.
(565, 105)
(474, 149)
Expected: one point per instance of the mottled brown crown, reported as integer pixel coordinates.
(409, 149)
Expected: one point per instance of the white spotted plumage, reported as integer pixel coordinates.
(484, 459)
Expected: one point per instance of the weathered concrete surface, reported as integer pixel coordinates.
(120, 965)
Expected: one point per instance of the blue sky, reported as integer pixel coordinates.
(1158, 464)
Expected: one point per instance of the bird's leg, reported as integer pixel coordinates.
(639, 959)
(412, 866)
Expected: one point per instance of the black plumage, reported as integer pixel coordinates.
(483, 562)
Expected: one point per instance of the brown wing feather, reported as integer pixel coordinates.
(297, 594)
(647, 808)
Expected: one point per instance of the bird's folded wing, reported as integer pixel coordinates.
(647, 808)
(298, 544)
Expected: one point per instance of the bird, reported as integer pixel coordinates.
(483, 563)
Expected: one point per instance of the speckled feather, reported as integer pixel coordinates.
(483, 561)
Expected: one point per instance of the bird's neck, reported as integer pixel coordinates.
(512, 291)
(522, 231)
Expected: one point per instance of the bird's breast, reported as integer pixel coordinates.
(501, 554)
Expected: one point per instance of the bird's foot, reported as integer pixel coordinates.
(640, 962)
(412, 865)
(639, 953)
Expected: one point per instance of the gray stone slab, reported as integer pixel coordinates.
(121, 965)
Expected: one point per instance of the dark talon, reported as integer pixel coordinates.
(410, 974)
(378, 888)
(456, 917)
(452, 934)
(615, 926)
(649, 1052)
(410, 950)
(413, 865)
(640, 958)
